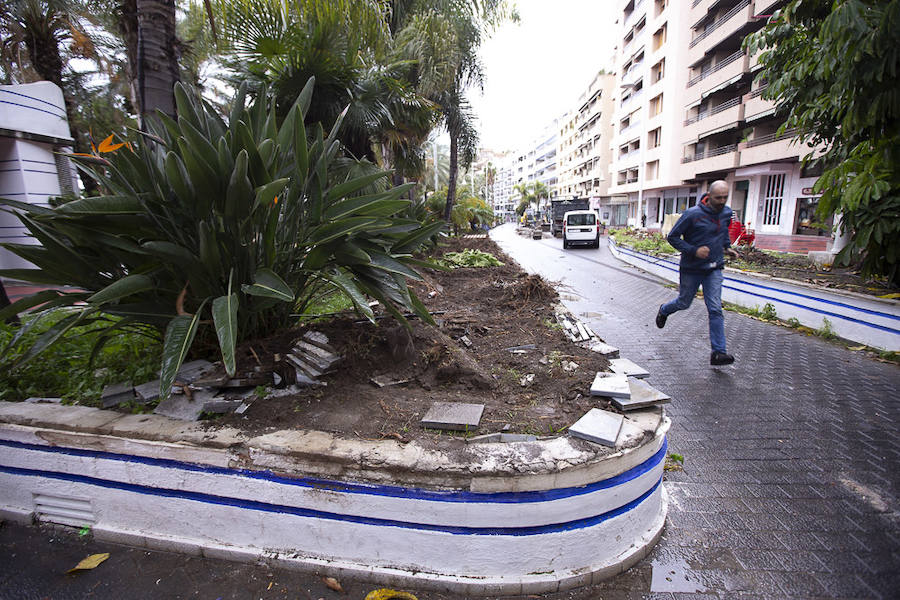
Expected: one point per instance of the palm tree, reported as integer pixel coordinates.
(157, 56)
(444, 37)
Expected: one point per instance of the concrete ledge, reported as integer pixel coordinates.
(857, 317)
(487, 518)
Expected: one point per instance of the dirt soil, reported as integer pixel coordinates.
(798, 267)
(494, 309)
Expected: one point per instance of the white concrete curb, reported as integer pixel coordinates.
(864, 319)
(485, 518)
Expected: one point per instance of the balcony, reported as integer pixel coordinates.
(722, 158)
(771, 147)
(733, 66)
(722, 28)
(755, 105)
(636, 14)
(713, 120)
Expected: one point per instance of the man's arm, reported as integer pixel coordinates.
(675, 236)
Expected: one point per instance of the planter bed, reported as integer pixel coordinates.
(478, 518)
(864, 319)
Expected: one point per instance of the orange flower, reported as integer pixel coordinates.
(108, 146)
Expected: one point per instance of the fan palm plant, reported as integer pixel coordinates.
(208, 226)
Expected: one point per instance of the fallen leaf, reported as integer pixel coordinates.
(890, 296)
(332, 583)
(90, 562)
(386, 594)
(270, 586)
(856, 348)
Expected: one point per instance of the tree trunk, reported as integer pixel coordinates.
(157, 57)
(451, 183)
(128, 28)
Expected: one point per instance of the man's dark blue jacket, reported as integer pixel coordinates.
(699, 226)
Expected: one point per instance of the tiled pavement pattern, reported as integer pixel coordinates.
(792, 456)
(790, 486)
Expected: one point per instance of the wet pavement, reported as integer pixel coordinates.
(789, 487)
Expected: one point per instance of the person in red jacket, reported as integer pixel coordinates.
(701, 235)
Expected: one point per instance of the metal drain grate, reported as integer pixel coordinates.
(64, 510)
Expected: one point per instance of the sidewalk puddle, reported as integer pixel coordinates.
(675, 577)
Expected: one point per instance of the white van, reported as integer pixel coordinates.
(581, 227)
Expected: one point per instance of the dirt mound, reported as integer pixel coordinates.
(496, 343)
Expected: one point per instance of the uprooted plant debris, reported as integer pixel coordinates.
(496, 326)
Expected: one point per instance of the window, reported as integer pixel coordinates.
(660, 6)
(652, 170)
(656, 105)
(659, 38)
(654, 138)
(658, 71)
(581, 219)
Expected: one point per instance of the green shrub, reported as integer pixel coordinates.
(469, 258)
(645, 241)
(68, 369)
(219, 231)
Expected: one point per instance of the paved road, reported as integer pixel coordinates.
(791, 480)
(790, 487)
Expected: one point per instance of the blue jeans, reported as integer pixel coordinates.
(712, 295)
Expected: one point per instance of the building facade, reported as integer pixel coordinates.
(584, 149)
(689, 111)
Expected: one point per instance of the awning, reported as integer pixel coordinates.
(718, 130)
(693, 104)
(766, 169)
(762, 115)
(722, 86)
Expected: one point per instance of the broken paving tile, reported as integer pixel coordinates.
(302, 365)
(527, 380)
(385, 381)
(600, 426)
(628, 368)
(613, 385)
(147, 392)
(242, 408)
(311, 349)
(319, 339)
(455, 416)
(642, 395)
(184, 408)
(39, 400)
(604, 349)
(569, 366)
(116, 394)
(501, 437)
(249, 380)
(522, 348)
(221, 406)
(466, 341)
(585, 334)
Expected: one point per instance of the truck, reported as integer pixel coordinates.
(560, 207)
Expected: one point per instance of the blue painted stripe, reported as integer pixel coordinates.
(32, 108)
(360, 488)
(803, 306)
(42, 101)
(319, 514)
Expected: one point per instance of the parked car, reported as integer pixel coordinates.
(581, 227)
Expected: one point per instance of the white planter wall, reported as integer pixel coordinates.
(588, 519)
(871, 321)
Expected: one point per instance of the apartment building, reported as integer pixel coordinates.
(689, 111)
(730, 132)
(651, 76)
(584, 150)
(534, 161)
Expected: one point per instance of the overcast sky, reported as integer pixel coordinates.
(536, 69)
